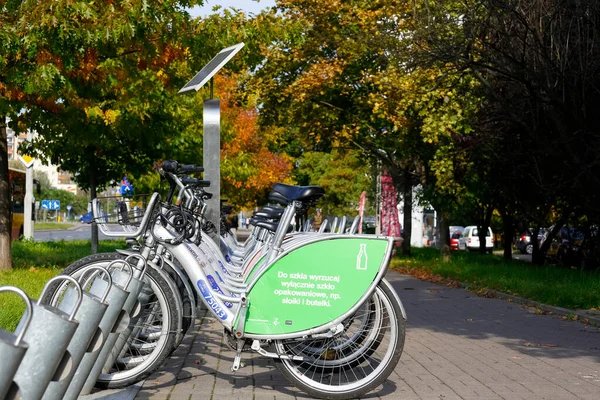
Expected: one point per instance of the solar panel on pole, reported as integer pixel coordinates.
(211, 68)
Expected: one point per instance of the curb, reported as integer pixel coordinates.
(73, 228)
(126, 393)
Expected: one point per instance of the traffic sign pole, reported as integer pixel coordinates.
(29, 199)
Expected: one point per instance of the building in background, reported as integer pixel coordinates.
(58, 178)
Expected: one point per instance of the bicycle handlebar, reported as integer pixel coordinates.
(190, 168)
(195, 182)
(174, 167)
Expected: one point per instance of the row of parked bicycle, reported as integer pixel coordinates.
(317, 303)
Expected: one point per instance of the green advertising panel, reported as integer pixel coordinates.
(313, 285)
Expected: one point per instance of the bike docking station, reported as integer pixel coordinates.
(57, 351)
(211, 142)
(88, 336)
(48, 335)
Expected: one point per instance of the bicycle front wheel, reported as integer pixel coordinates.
(354, 363)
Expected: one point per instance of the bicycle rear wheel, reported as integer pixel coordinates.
(356, 362)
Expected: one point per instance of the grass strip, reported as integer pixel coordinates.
(34, 263)
(548, 284)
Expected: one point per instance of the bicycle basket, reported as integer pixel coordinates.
(124, 216)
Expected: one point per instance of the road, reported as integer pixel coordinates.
(79, 232)
(83, 232)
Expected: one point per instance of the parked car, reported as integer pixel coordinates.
(469, 240)
(524, 243)
(455, 234)
(569, 252)
(369, 224)
(86, 218)
(575, 246)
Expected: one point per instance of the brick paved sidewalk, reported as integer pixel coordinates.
(458, 346)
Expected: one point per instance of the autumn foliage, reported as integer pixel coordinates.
(249, 167)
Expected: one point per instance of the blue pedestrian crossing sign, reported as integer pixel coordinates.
(50, 204)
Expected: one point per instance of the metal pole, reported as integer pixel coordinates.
(29, 199)
(212, 161)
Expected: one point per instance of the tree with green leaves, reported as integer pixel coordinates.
(345, 175)
(96, 81)
(344, 76)
(536, 62)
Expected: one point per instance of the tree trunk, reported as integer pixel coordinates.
(537, 257)
(508, 234)
(483, 228)
(5, 203)
(444, 233)
(407, 211)
(94, 226)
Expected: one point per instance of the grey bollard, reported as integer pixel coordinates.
(133, 303)
(90, 314)
(133, 286)
(12, 346)
(48, 336)
(116, 298)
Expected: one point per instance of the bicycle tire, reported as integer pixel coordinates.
(311, 377)
(187, 294)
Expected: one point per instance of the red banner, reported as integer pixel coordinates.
(390, 226)
(361, 209)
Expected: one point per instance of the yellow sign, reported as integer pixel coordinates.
(27, 160)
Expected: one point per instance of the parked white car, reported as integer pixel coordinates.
(470, 239)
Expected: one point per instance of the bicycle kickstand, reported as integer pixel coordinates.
(237, 361)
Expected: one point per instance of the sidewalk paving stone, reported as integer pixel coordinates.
(458, 346)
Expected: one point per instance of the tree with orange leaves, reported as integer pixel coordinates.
(248, 167)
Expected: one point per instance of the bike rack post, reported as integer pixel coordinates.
(48, 336)
(354, 226)
(306, 226)
(342, 225)
(133, 287)
(212, 161)
(116, 298)
(334, 225)
(323, 226)
(12, 346)
(90, 314)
